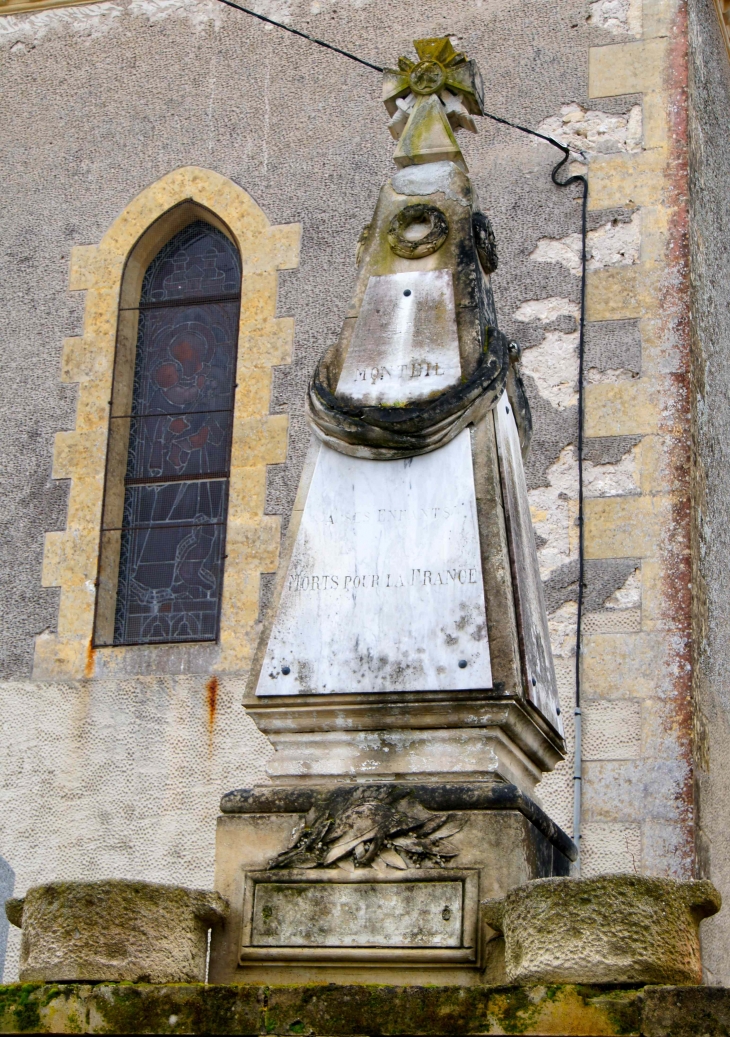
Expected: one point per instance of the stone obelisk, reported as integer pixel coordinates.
(404, 675)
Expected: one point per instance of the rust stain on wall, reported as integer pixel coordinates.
(90, 664)
(211, 689)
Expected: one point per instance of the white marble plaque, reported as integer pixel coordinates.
(362, 914)
(384, 588)
(405, 346)
(542, 688)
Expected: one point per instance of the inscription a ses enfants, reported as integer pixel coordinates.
(389, 581)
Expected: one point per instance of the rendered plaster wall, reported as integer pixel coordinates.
(119, 772)
(710, 225)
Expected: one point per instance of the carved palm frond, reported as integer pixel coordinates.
(353, 830)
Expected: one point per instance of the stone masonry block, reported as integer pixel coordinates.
(78, 452)
(612, 928)
(614, 293)
(655, 234)
(254, 543)
(259, 440)
(258, 299)
(116, 930)
(658, 18)
(345, 1009)
(82, 361)
(266, 344)
(76, 615)
(53, 558)
(625, 527)
(657, 471)
(666, 849)
(663, 607)
(237, 649)
(655, 123)
(84, 267)
(660, 735)
(641, 790)
(612, 729)
(625, 180)
(627, 68)
(72, 559)
(84, 503)
(625, 408)
(100, 316)
(247, 492)
(610, 847)
(253, 394)
(262, 252)
(285, 244)
(636, 665)
(56, 657)
(92, 409)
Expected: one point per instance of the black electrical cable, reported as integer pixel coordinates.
(576, 179)
(304, 35)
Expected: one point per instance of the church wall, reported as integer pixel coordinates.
(114, 761)
(710, 168)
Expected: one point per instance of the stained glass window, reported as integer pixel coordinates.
(172, 540)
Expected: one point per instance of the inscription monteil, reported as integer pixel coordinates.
(402, 372)
(303, 582)
(405, 344)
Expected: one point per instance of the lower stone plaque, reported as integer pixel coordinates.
(416, 915)
(365, 914)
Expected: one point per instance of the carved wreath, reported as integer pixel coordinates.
(360, 828)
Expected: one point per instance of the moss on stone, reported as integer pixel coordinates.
(20, 1007)
(332, 1010)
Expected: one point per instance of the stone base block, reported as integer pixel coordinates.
(610, 929)
(348, 1011)
(378, 882)
(114, 929)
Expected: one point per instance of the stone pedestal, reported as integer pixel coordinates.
(426, 736)
(374, 883)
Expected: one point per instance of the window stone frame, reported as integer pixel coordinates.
(71, 556)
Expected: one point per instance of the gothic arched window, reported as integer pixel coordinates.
(170, 522)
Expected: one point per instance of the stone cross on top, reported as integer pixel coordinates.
(429, 99)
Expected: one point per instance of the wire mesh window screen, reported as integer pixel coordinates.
(173, 515)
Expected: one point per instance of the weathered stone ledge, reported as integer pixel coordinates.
(341, 1011)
